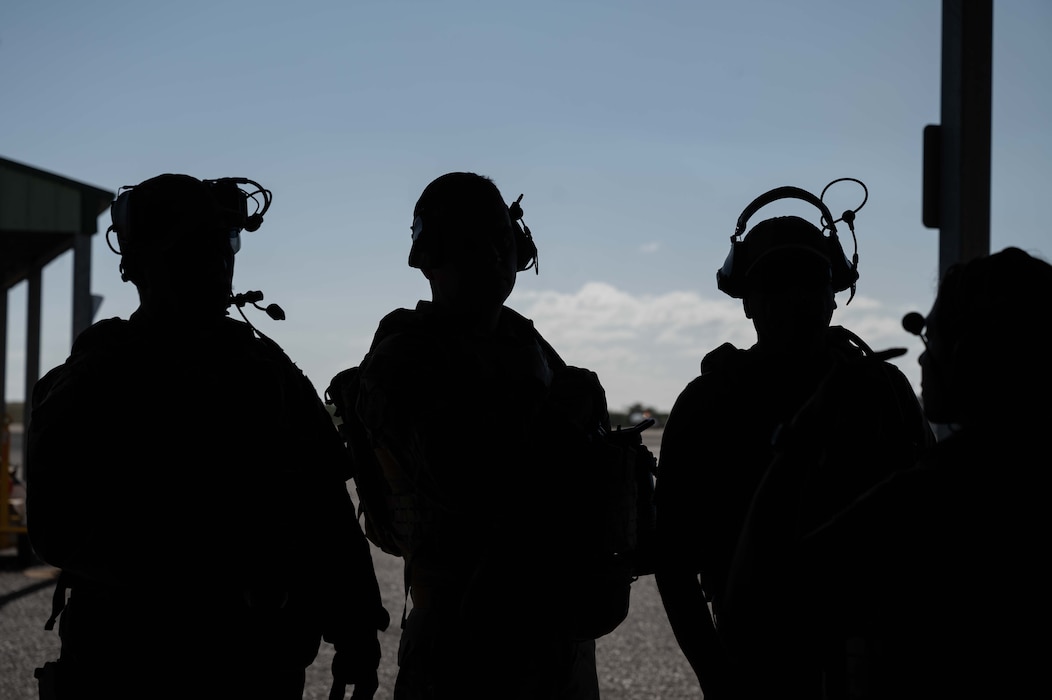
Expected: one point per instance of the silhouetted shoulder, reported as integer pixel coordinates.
(108, 331)
(721, 370)
(723, 358)
(397, 321)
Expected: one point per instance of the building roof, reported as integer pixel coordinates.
(40, 213)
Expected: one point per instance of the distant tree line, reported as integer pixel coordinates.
(635, 413)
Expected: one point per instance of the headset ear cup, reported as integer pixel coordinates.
(727, 277)
(844, 274)
(121, 215)
(526, 249)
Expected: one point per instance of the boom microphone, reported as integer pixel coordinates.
(252, 297)
(914, 323)
(240, 300)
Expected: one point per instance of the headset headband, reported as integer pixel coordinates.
(786, 192)
(730, 277)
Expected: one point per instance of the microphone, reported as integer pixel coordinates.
(251, 297)
(914, 323)
(240, 300)
(515, 210)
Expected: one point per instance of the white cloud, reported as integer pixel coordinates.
(647, 348)
(643, 348)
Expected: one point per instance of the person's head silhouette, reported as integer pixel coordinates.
(786, 284)
(177, 236)
(987, 342)
(176, 246)
(467, 245)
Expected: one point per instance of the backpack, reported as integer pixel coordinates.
(643, 472)
(608, 537)
(613, 537)
(376, 500)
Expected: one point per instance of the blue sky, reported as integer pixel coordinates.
(637, 132)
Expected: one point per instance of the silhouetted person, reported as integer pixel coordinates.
(942, 569)
(466, 404)
(719, 439)
(187, 480)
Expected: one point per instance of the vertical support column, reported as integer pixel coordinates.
(3, 349)
(33, 299)
(83, 311)
(957, 152)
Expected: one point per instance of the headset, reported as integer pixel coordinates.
(426, 249)
(731, 277)
(227, 210)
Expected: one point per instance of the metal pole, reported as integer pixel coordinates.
(957, 151)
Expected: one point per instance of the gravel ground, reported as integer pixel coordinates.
(640, 660)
